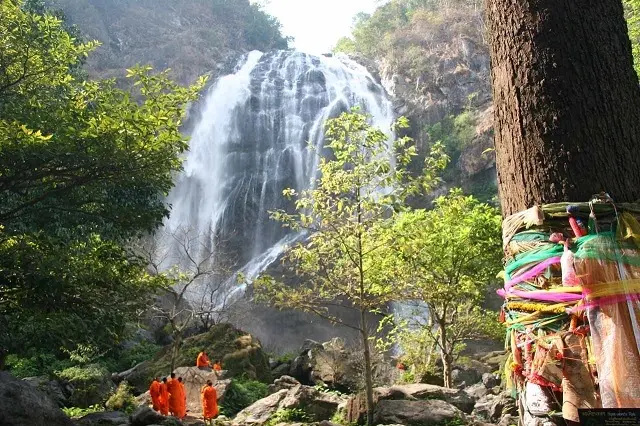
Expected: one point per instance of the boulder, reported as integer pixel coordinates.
(53, 388)
(109, 418)
(194, 379)
(145, 416)
(356, 405)
(483, 407)
(418, 413)
(21, 404)
(490, 380)
(301, 369)
(495, 360)
(281, 370)
(422, 391)
(470, 374)
(477, 391)
(259, 412)
(240, 353)
(317, 404)
(502, 405)
(284, 382)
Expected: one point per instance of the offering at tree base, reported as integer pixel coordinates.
(572, 306)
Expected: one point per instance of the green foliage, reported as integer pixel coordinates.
(345, 214)
(446, 258)
(254, 28)
(632, 11)
(122, 399)
(288, 415)
(356, 191)
(143, 351)
(40, 364)
(83, 168)
(339, 418)
(321, 387)
(455, 133)
(89, 382)
(404, 32)
(240, 394)
(77, 412)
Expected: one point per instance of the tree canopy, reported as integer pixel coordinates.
(446, 259)
(84, 167)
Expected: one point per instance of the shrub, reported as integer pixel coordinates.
(77, 412)
(240, 394)
(141, 352)
(37, 365)
(122, 399)
(90, 384)
(287, 415)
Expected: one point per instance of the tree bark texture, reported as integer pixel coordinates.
(567, 101)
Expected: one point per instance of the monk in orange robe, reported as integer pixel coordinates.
(209, 398)
(164, 397)
(154, 391)
(217, 366)
(203, 360)
(174, 397)
(182, 405)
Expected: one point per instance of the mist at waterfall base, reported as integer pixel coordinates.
(250, 137)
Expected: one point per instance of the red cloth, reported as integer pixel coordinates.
(164, 399)
(202, 360)
(209, 398)
(154, 391)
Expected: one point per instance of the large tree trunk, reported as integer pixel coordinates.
(567, 101)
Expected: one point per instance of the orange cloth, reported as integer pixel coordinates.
(154, 391)
(203, 360)
(217, 367)
(180, 400)
(164, 399)
(174, 397)
(209, 398)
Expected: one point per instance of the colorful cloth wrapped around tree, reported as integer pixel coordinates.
(572, 306)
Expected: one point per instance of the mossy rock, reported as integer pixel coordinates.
(241, 355)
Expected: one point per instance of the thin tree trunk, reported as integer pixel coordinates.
(567, 101)
(447, 359)
(175, 350)
(367, 366)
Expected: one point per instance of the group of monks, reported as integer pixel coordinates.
(169, 395)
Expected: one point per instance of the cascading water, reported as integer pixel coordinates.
(251, 141)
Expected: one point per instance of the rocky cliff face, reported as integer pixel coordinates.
(437, 68)
(192, 37)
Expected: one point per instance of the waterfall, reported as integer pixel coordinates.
(251, 141)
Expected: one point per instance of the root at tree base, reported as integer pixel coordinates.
(572, 307)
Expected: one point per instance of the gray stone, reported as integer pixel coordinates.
(22, 404)
(145, 416)
(502, 405)
(477, 391)
(422, 391)
(490, 380)
(419, 413)
(317, 404)
(53, 388)
(108, 418)
(483, 406)
(281, 370)
(284, 382)
(259, 412)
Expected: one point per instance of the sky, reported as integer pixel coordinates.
(317, 25)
